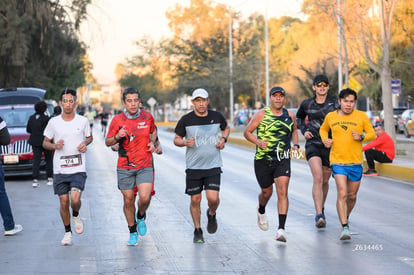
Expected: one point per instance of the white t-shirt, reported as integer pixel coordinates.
(68, 160)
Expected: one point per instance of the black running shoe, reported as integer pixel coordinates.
(212, 222)
(198, 236)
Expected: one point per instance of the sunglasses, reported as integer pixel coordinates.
(322, 84)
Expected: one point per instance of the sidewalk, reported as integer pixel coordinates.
(402, 167)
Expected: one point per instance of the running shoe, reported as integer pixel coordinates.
(35, 184)
(281, 236)
(262, 220)
(320, 221)
(370, 173)
(78, 224)
(49, 182)
(198, 236)
(345, 234)
(17, 228)
(133, 239)
(142, 227)
(212, 222)
(67, 239)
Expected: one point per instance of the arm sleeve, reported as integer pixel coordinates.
(373, 143)
(300, 119)
(368, 129)
(324, 130)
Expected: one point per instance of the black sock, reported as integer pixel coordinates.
(345, 224)
(67, 228)
(282, 221)
(75, 213)
(262, 209)
(139, 216)
(132, 229)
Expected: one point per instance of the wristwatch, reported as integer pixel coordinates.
(297, 145)
(225, 139)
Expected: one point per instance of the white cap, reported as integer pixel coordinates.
(199, 93)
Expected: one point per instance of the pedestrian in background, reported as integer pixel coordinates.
(10, 228)
(135, 131)
(204, 133)
(104, 121)
(344, 131)
(381, 149)
(57, 111)
(35, 127)
(71, 134)
(310, 115)
(90, 115)
(276, 128)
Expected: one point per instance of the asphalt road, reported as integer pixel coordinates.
(381, 225)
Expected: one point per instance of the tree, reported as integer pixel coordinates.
(39, 44)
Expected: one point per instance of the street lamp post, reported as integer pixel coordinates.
(267, 56)
(231, 67)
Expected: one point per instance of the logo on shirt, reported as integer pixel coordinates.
(142, 125)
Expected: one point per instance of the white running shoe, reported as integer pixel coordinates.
(281, 236)
(35, 184)
(78, 224)
(262, 221)
(67, 239)
(17, 228)
(49, 182)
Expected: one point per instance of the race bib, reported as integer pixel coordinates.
(70, 161)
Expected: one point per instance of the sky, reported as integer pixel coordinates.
(114, 25)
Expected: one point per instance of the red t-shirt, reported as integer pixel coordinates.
(133, 149)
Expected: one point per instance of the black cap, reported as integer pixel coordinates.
(320, 78)
(277, 89)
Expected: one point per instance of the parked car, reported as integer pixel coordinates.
(16, 106)
(374, 116)
(409, 126)
(402, 121)
(51, 104)
(396, 115)
(12, 96)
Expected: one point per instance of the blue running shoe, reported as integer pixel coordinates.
(142, 227)
(133, 239)
(345, 234)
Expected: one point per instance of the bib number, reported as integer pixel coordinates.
(70, 161)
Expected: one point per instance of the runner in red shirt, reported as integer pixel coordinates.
(134, 130)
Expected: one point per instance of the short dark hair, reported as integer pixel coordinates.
(57, 110)
(346, 92)
(40, 107)
(130, 90)
(68, 91)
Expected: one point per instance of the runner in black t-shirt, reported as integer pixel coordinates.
(310, 116)
(199, 132)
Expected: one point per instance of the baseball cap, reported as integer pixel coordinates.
(277, 89)
(199, 93)
(376, 124)
(320, 78)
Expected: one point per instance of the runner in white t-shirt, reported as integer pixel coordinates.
(71, 134)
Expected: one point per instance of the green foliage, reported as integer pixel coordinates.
(40, 47)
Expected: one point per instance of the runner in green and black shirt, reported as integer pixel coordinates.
(276, 128)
